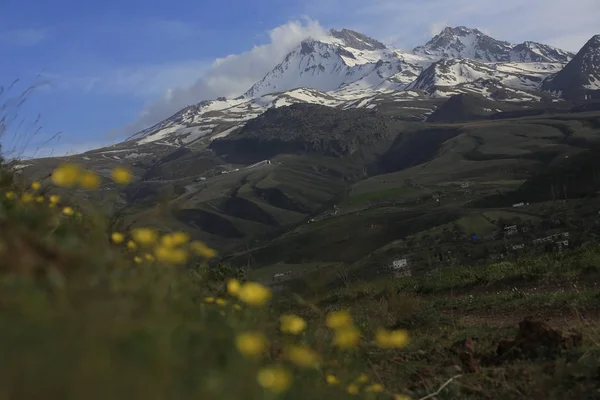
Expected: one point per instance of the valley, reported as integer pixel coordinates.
(363, 220)
(354, 154)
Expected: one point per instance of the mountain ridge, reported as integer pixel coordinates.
(347, 69)
(463, 42)
(581, 75)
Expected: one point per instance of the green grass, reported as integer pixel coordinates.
(386, 194)
(80, 319)
(526, 269)
(509, 183)
(523, 299)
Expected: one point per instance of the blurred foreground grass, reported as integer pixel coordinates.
(86, 313)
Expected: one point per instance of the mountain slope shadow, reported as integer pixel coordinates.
(276, 197)
(414, 148)
(242, 208)
(209, 222)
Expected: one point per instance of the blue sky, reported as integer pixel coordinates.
(114, 66)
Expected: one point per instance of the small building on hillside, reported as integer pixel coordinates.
(552, 238)
(400, 268)
(562, 245)
(521, 204)
(511, 230)
(259, 164)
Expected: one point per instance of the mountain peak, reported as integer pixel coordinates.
(463, 42)
(459, 30)
(595, 40)
(581, 75)
(307, 46)
(356, 40)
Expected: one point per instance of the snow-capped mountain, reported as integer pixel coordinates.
(348, 69)
(218, 118)
(462, 42)
(356, 40)
(315, 64)
(452, 76)
(581, 75)
(327, 64)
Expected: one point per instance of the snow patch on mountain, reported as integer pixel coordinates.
(462, 42)
(580, 76)
(348, 69)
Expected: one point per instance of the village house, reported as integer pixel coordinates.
(400, 268)
(511, 230)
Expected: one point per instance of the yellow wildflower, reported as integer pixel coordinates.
(401, 397)
(331, 379)
(391, 339)
(202, 250)
(254, 294)
(144, 236)
(292, 324)
(209, 299)
(233, 287)
(39, 199)
(346, 338)
(122, 176)
(180, 238)
(131, 245)
(170, 256)
(137, 259)
(10, 195)
(352, 389)
(54, 199)
(302, 356)
(275, 379)
(149, 257)
(89, 180)
(26, 198)
(362, 378)
(66, 175)
(338, 319)
(237, 307)
(117, 237)
(251, 344)
(68, 211)
(375, 388)
(221, 302)
(36, 185)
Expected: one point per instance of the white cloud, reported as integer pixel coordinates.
(404, 24)
(231, 75)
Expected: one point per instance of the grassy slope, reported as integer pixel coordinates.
(495, 156)
(486, 303)
(79, 319)
(499, 151)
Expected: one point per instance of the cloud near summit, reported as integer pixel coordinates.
(403, 24)
(231, 75)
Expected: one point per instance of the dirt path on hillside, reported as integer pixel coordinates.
(566, 317)
(561, 284)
